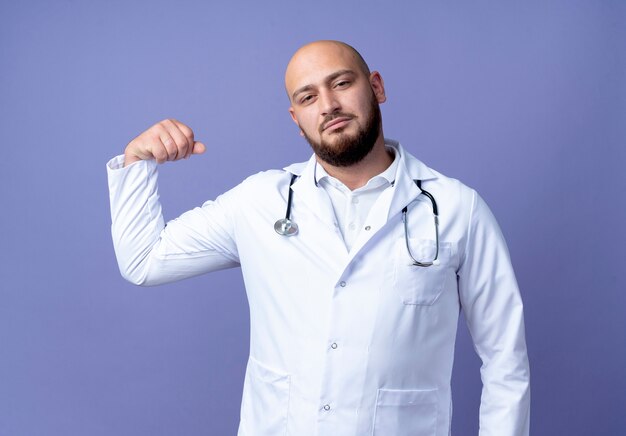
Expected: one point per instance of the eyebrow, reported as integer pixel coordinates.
(327, 79)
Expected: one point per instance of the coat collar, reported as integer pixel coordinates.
(413, 166)
(405, 190)
(313, 196)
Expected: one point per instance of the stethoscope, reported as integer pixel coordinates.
(286, 227)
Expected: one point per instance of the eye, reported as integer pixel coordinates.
(342, 83)
(307, 99)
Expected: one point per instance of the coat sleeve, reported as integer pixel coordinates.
(492, 305)
(148, 251)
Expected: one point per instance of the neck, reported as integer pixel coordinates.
(357, 175)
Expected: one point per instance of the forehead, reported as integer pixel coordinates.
(313, 63)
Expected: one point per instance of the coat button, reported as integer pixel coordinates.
(342, 284)
(368, 228)
(326, 407)
(333, 346)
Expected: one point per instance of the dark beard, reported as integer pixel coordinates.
(349, 150)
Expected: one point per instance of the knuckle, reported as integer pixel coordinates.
(155, 132)
(167, 140)
(167, 146)
(163, 126)
(159, 153)
(186, 129)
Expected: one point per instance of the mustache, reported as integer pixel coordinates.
(330, 117)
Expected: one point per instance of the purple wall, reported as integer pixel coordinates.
(525, 101)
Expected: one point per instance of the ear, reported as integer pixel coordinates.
(292, 112)
(378, 86)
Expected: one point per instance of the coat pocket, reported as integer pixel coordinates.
(405, 413)
(420, 285)
(265, 402)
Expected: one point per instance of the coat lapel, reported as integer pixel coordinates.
(388, 206)
(392, 201)
(315, 199)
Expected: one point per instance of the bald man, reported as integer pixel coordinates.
(355, 294)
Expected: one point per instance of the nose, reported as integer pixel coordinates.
(328, 103)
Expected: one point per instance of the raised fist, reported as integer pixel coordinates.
(167, 140)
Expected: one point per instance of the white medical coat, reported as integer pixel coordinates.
(345, 343)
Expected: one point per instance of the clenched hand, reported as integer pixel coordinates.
(167, 140)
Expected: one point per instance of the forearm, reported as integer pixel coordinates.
(505, 400)
(493, 308)
(136, 218)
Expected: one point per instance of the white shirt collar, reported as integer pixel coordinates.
(386, 177)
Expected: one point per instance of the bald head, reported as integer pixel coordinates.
(335, 103)
(308, 58)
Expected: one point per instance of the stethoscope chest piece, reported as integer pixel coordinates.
(285, 227)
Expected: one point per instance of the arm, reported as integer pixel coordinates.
(148, 252)
(493, 308)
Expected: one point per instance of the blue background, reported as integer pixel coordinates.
(524, 101)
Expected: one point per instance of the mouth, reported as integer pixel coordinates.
(336, 123)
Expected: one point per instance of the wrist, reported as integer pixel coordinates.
(130, 159)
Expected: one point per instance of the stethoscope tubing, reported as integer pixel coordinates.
(286, 227)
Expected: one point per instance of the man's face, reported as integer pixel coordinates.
(334, 102)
